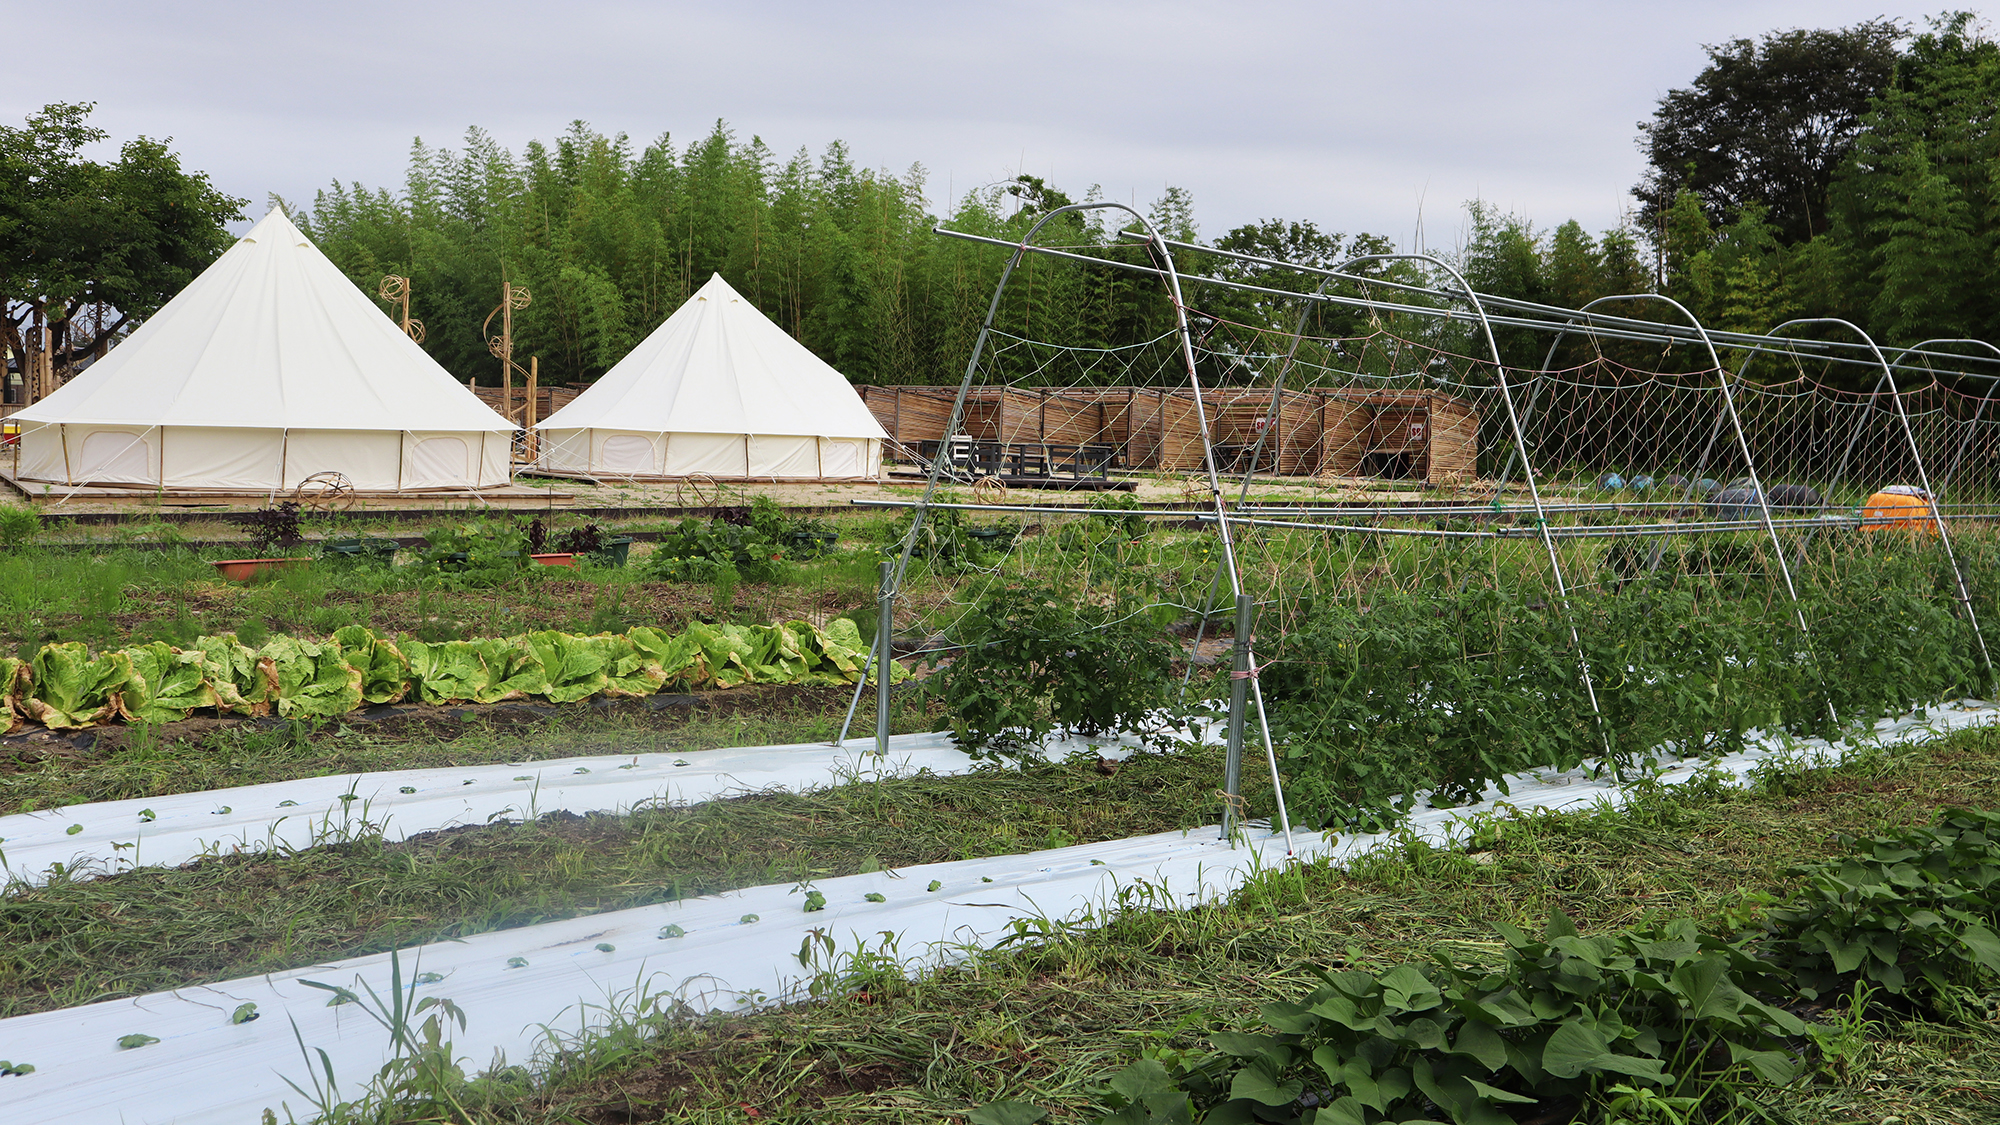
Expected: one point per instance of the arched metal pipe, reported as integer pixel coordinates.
(1471, 298)
(1165, 267)
(1958, 457)
(1923, 474)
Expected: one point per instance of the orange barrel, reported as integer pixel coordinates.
(1900, 506)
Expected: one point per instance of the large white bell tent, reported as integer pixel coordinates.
(268, 368)
(718, 390)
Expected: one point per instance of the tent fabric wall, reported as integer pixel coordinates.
(197, 458)
(723, 392)
(267, 368)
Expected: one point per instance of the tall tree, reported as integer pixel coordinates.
(92, 249)
(1768, 122)
(1917, 208)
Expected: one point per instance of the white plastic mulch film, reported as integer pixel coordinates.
(718, 952)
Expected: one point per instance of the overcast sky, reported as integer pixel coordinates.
(1357, 116)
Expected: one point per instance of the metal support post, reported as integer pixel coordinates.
(1239, 691)
(885, 658)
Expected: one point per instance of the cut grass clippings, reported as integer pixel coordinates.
(1049, 1021)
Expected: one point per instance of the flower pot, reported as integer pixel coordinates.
(612, 552)
(358, 549)
(553, 560)
(811, 544)
(243, 570)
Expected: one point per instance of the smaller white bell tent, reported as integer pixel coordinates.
(268, 368)
(719, 390)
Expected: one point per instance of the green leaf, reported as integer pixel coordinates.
(1481, 1042)
(815, 901)
(1775, 1067)
(1406, 989)
(244, 1013)
(1559, 926)
(1984, 946)
(1255, 1083)
(165, 685)
(1574, 1048)
(136, 1039)
(314, 679)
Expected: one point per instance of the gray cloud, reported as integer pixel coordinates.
(1351, 115)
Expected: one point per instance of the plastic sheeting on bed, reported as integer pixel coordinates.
(733, 950)
(107, 837)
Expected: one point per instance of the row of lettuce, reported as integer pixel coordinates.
(65, 686)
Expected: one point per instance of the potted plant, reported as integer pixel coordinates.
(359, 548)
(810, 538)
(270, 529)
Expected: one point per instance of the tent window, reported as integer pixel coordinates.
(439, 460)
(840, 459)
(116, 454)
(628, 453)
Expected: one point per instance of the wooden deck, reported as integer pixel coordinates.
(504, 496)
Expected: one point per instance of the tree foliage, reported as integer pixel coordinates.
(118, 239)
(611, 238)
(1768, 122)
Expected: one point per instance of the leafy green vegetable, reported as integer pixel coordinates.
(136, 1039)
(165, 685)
(385, 671)
(72, 690)
(514, 670)
(447, 671)
(575, 666)
(244, 682)
(314, 680)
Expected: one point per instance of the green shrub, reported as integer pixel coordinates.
(1911, 914)
(1038, 657)
(19, 526)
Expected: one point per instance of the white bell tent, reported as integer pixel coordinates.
(718, 390)
(268, 368)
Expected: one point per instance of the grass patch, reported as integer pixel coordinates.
(1048, 1022)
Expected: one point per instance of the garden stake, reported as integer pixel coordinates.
(1239, 691)
(886, 603)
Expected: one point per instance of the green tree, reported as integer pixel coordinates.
(1768, 121)
(114, 240)
(1918, 217)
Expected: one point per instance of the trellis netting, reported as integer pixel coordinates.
(1470, 535)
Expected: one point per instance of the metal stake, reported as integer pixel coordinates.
(1239, 692)
(884, 631)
